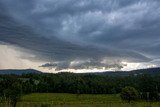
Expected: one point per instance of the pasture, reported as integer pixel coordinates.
(77, 100)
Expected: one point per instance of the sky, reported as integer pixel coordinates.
(79, 35)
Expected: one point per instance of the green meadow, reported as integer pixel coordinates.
(77, 100)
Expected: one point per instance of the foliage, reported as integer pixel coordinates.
(150, 96)
(12, 94)
(80, 84)
(129, 94)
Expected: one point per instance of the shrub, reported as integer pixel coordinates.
(129, 94)
(154, 96)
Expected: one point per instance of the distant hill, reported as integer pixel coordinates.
(149, 71)
(19, 72)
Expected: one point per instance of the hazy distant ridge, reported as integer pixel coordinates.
(20, 71)
(149, 71)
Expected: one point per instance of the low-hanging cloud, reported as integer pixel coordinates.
(84, 64)
(81, 34)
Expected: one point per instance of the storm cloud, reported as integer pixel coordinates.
(83, 34)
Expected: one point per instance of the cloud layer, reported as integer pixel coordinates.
(83, 34)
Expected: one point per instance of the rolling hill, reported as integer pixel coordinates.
(148, 71)
(19, 71)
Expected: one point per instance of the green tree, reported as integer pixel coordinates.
(129, 94)
(12, 95)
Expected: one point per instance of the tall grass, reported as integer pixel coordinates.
(73, 100)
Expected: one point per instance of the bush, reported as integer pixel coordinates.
(129, 94)
(150, 96)
(154, 96)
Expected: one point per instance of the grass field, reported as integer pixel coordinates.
(73, 100)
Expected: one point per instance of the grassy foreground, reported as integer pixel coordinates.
(73, 100)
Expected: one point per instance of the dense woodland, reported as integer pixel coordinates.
(79, 83)
(132, 87)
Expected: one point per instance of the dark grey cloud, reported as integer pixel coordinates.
(63, 31)
(89, 64)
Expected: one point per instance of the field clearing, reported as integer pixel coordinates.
(49, 97)
(75, 100)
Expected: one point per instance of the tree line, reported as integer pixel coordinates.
(146, 85)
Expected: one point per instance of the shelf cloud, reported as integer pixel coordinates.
(82, 34)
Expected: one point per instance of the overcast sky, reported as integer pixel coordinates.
(79, 35)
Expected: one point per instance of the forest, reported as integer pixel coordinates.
(78, 83)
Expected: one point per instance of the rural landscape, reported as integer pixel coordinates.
(139, 88)
(79, 53)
